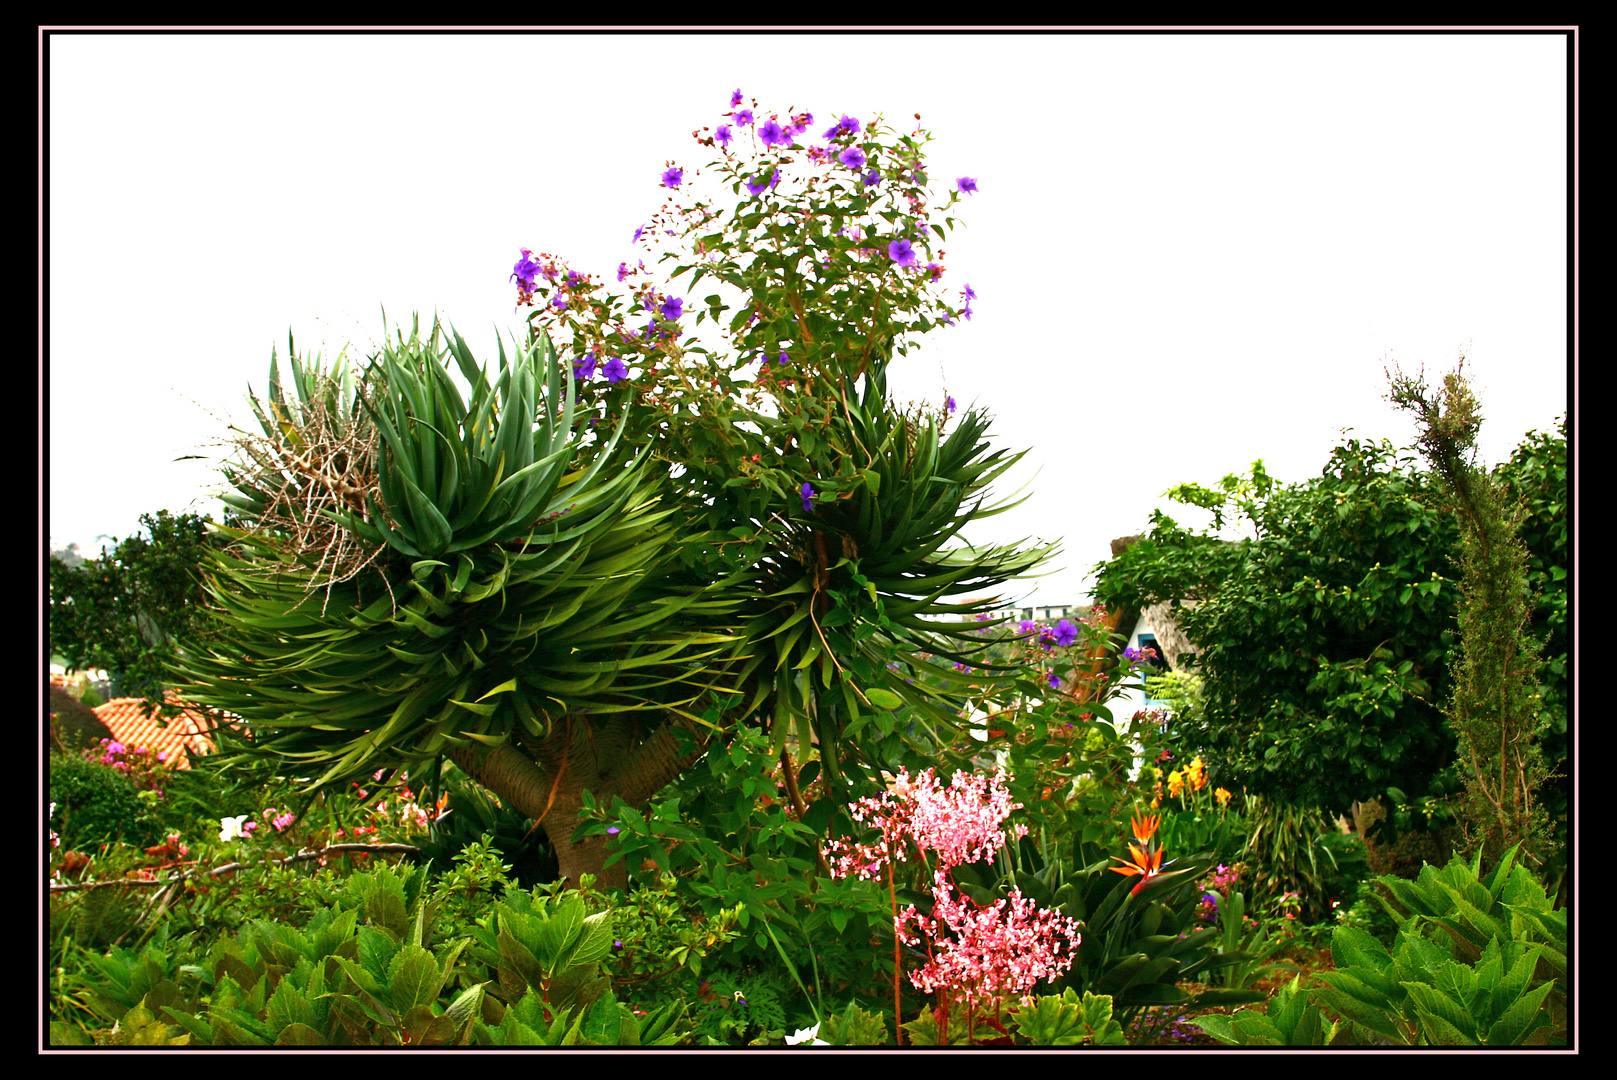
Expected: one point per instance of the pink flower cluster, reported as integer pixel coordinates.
(994, 952)
(981, 954)
(141, 765)
(963, 823)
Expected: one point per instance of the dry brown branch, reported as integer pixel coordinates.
(313, 465)
(229, 868)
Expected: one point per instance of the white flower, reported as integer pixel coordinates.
(806, 1035)
(230, 828)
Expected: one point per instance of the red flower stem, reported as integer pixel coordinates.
(892, 894)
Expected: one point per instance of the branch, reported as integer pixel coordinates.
(230, 868)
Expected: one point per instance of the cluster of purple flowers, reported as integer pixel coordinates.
(1063, 634)
(847, 145)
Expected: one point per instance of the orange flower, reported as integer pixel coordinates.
(1145, 828)
(1222, 796)
(1147, 864)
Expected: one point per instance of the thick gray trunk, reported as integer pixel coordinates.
(546, 781)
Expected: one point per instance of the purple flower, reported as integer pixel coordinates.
(801, 122)
(756, 185)
(1055, 681)
(638, 232)
(723, 136)
(673, 307)
(560, 303)
(772, 133)
(616, 370)
(584, 367)
(832, 132)
(966, 311)
(853, 158)
(1131, 653)
(623, 270)
(971, 294)
(735, 98)
(967, 184)
(808, 498)
(744, 117)
(1066, 633)
(1026, 627)
(935, 270)
(872, 178)
(525, 271)
(612, 830)
(672, 177)
(849, 125)
(901, 252)
(949, 406)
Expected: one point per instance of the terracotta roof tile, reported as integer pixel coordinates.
(126, 719)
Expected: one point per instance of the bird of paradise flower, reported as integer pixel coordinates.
(1145, 858)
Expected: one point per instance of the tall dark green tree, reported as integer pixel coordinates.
(125, 611)
(1323, 638)
(1497, 708)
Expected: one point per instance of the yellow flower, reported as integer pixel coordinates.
(1222, 796)
(1176, 783)
(1197, 774)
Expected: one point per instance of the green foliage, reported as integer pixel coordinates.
(863, 594)
(1252, 941)
(502, 589)
(125, 611)
(1287, 852)
(1323, 637)
(1496, 707)
(728, 832)
(1290, 1018)
(1369, 914)
(368, 971)
(854, 1026)
(1063, 1019)
(96, 804)
(1477, 961)
(472, 815)
(741, 1010)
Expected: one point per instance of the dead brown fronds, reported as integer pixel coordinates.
(316, 459)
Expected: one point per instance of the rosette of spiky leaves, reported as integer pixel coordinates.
(858, 623)
(519, 582)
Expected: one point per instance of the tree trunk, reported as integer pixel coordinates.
(546, 780)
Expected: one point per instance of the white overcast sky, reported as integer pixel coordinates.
(1190, 250)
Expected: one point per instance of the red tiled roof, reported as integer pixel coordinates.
(127, 720)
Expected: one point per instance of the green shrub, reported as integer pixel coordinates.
(368, 971)
(96, 804)
(1477, 961)
(1287, 851)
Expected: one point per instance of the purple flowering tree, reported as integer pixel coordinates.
(629, 540)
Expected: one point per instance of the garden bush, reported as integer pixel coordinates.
(1478, 960)
(96, 804)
